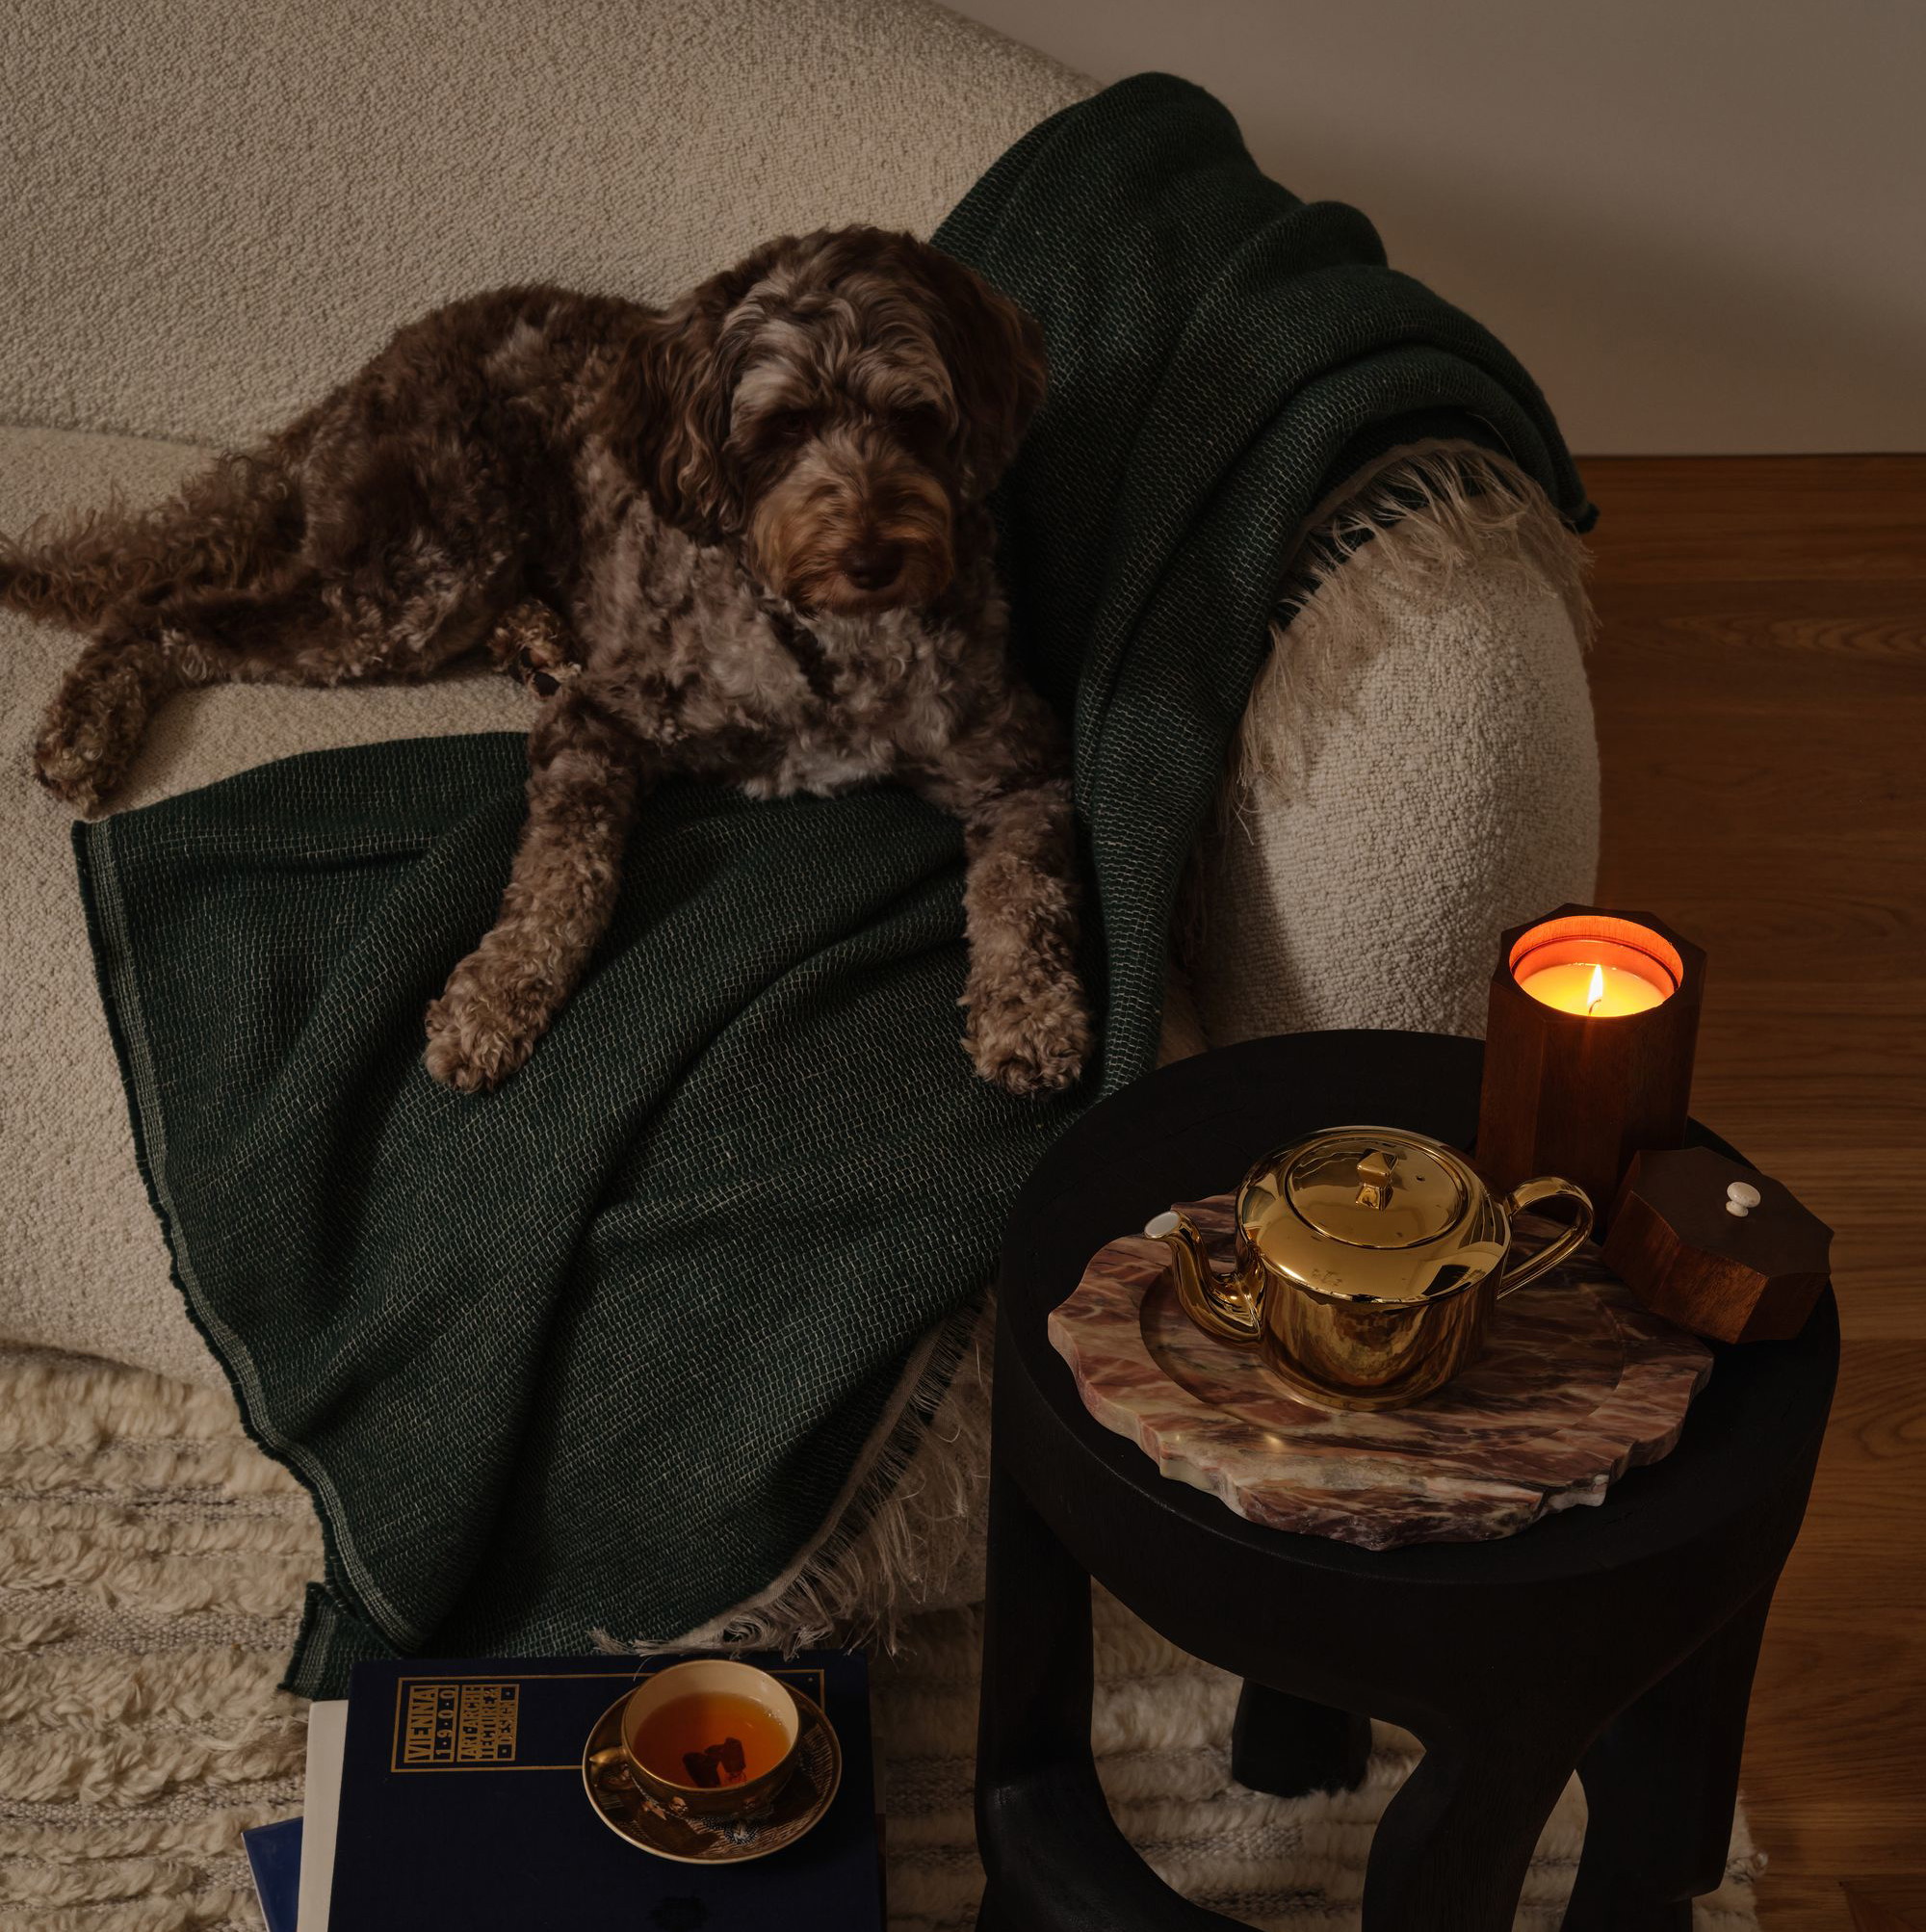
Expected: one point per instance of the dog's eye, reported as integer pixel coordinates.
(784, 426)
(918, 422)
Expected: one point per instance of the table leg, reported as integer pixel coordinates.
(1054, 1858)
(1661, 1782)
(1291, 1747)
(1453, 1847)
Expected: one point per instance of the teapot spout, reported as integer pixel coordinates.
(1227, 1309)
(1188, 1259)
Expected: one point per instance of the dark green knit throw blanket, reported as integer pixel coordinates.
(611, 1348)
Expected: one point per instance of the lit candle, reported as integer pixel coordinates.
(1600, 969)
(1588, 1048)
(1598, 991)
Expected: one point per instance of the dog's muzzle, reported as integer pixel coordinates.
(849, 529)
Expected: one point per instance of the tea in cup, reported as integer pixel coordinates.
(707, 1738)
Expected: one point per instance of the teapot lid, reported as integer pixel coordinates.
(1373, 1214)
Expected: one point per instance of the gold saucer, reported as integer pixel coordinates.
(798, 1808)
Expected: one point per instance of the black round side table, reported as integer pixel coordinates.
(1619, 1639)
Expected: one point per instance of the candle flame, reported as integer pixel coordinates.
(1596, 991)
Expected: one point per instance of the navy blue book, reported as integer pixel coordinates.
(481, 1822)
(275, 1858)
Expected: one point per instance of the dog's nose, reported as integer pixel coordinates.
(872, 566)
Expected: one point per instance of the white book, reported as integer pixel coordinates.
(326, 1740)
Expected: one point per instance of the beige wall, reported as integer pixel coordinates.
(1702, 223)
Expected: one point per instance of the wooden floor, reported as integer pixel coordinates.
(1760, 681)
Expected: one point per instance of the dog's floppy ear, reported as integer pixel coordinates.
(691, 483)
(667, 410)
(996, 357)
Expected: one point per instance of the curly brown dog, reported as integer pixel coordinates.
(743, 537)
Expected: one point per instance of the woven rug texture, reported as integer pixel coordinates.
(153, 1565)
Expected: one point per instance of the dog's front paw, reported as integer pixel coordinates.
(534, 646)
(482, 1029)
(1032, 1036)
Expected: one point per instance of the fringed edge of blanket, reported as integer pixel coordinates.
(908, 1533)
(906, 1530)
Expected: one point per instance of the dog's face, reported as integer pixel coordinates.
(850, 396)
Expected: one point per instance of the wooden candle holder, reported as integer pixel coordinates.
(1579, 1094)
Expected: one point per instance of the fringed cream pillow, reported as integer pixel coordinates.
(1417, 768)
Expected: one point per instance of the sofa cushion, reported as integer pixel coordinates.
(214, 212)
(84, 1266)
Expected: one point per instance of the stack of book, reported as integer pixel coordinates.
(452, 1793)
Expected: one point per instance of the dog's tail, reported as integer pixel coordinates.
(226, 527)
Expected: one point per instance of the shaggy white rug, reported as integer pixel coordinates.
(152, 1567)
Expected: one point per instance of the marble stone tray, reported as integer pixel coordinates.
(1576, 1385)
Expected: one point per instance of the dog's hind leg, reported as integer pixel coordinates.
(98, 716)
(293, 631)
(586, 775)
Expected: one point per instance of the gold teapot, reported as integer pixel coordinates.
(1368, 1262)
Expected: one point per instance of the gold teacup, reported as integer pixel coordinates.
(709, 1738)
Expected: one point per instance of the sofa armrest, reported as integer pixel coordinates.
(1417, 768)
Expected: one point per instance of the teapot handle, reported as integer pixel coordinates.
(1225, 1309)
(1529, 1194)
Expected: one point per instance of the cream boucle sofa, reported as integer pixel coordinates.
(215, 212)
